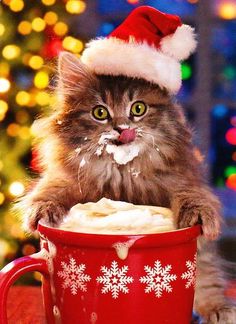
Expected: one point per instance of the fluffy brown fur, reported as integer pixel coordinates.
(165, 173)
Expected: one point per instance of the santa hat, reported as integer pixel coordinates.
(149, 45)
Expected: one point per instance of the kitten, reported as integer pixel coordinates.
(124, 139)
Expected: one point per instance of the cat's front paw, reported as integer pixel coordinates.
(223, 315)
(51, 213)
(205, 215)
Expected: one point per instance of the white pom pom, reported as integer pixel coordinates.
(180, 44)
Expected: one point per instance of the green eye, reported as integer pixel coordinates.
(100, 113)
(138, 108)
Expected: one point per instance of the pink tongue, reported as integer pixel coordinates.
(127, 136)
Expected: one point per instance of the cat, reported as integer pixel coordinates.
(83, 147)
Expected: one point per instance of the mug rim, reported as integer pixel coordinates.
(169, 238)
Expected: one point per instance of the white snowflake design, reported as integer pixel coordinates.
(190, 274)
(73, 276)
(158, 279)
(115, 279)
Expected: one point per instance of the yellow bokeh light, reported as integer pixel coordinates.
(42, 98)
(24, 27)
(4, 85)
(41, 80)
(36, 62)
(2, 198)
(50, 18)
(13, 129)
(75, 6)
(24, 133)
(4, 69)
(38, 24)
(48, 2)
(22, 98)
(227, 10)
(7, 2)
(11, 52)
(60, 28)
(3, 107)
(2, 29)
(16, 188)
(16, 5)
(72, 44)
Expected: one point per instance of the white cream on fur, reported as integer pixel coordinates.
(180, 44)
(112, 56)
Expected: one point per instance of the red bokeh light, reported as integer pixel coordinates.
(231, 182)
(231, 136)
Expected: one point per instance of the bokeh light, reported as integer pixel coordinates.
(50, 18)
(4, 85)
(41, 80)
(2, 198)
(60, 28)
(16, 188)
(227, 9)
(231, 181)
(48, 2)
(75, 6)
(11, 51)
(2, 29)
(16, 5)
(38, 24)
(22, 98)
(186, 71)
(3, 109)
(36, 62)
(72, 44)
(24, 27)
(231, 136)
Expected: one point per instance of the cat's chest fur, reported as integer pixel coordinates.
(134, 182)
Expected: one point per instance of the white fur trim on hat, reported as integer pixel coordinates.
(112, 56)
(180, 44)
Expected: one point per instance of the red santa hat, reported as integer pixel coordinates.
(149, 44)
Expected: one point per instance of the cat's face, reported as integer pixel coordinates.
(115, 118)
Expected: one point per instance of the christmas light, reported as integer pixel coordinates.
(22, 98)
(16, 5)
(72, 44)
(234, 156)
(231, 182)
(24, 133)
(16, 189)
(233, 121)
(13, 130)
(75, 6)
(4, 69)
(2, 29)
(2, 198)
(48, 2)
(11, 52)
(36, 62)
(24, 27)
(3, 109)
(186, 71)
(50, 18)
(60, 28)
(42, 98)
(227, 10)
(4, 85)
(133, 1)
(230, 170)
(231, 136)
(38, 24)
(41, 80)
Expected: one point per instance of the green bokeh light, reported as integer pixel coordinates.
(230, 170)
(186, 71)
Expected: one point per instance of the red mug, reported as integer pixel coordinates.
(104, 279)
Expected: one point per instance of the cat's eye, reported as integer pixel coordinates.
(100, 113)
(138, 109)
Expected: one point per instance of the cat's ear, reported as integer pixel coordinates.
(72, 73)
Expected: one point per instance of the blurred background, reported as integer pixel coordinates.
(32, 33)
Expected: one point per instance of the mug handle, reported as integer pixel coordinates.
(12, 271)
